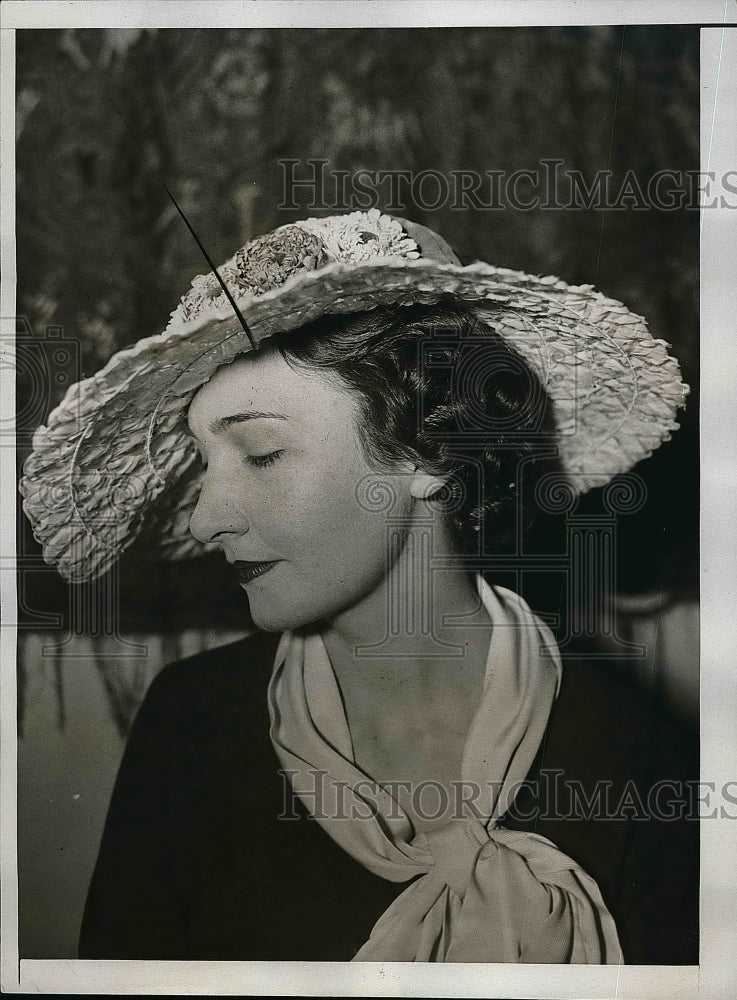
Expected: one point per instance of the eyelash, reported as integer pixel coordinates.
(262, 461)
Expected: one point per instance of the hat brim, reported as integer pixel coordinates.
(115, 453)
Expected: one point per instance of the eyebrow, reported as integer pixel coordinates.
(222, 423)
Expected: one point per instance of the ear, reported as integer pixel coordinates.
(424, 485)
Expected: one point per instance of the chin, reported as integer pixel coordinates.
(275, 617)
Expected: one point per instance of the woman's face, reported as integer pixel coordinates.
(283, 462)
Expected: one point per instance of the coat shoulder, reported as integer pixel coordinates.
(227, 674)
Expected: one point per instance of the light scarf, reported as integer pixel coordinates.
(485, 894)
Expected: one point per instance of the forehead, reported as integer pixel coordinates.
(266, 383)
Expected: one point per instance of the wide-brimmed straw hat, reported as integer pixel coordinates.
(115, 462)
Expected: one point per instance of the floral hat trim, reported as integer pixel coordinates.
(268, 261)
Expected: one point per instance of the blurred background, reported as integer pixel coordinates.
(106, 117)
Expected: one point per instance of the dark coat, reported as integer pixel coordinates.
(195, 864)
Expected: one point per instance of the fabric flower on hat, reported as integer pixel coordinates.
(268, 262)
(361, 236)
(262, 264)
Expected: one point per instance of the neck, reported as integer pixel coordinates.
(408, 615)
(411, 681)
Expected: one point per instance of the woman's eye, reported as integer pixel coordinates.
(261, 461)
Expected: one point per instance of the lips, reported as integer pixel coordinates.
(247, 570)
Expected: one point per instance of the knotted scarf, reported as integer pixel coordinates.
(484, 894)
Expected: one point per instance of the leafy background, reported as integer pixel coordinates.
(105, 118)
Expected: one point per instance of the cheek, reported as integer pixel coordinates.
(328, 522)
(329, 568)
(335, 548)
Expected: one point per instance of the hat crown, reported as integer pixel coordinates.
(267, 262)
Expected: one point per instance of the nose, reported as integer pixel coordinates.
(219, 512)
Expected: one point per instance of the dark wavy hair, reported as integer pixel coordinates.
(437, 385)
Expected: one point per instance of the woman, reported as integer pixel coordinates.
(398, 423)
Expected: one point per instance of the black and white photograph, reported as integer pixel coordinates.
(354, 435)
